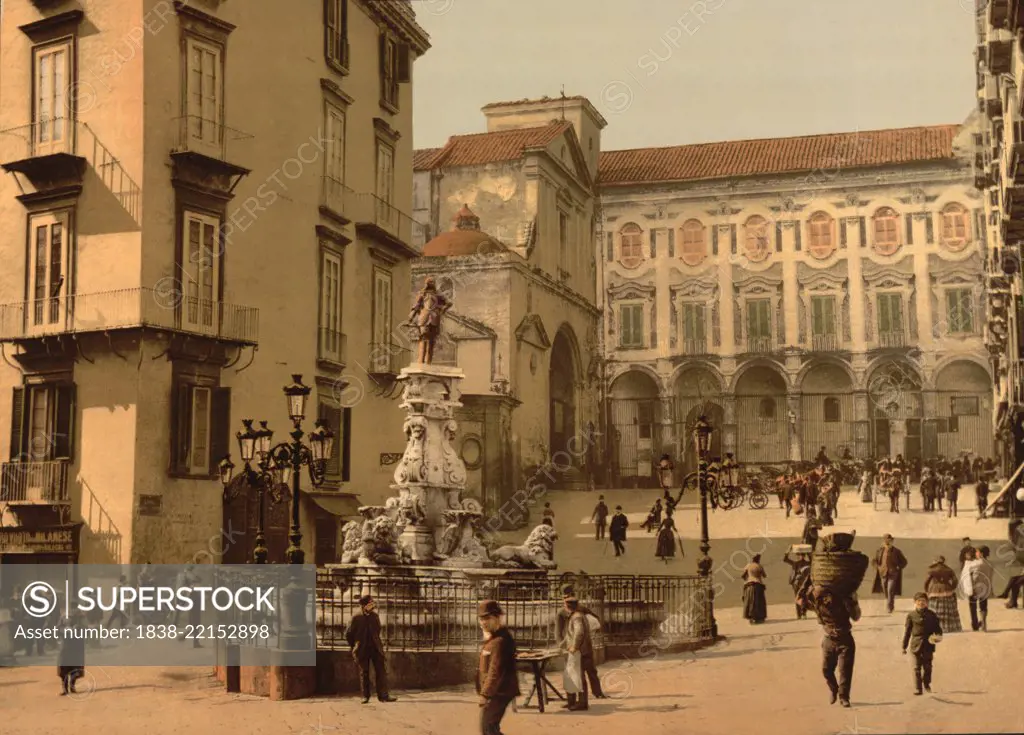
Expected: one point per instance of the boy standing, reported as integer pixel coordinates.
(920, 631)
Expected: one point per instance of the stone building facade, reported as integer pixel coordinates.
(802, 292)
(513, 211)
(188, 226)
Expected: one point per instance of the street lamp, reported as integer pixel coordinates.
(262, 478)
(702, 441)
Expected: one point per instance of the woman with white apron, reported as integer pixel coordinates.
(577, 642)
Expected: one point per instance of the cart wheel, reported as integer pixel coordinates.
(758, 500)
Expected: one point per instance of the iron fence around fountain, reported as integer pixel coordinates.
(435, 609)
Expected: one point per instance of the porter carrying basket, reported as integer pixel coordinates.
(841, 571)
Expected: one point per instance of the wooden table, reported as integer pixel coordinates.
(537, 661)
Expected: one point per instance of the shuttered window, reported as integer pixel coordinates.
(42, 422)
(960, 311)
(200, 427)
(631, 326)
(336, 32)
(339, 420)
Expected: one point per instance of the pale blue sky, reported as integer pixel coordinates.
(728, 69)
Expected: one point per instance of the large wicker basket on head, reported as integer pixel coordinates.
(841, 571)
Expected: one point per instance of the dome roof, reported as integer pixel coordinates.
(465, 238)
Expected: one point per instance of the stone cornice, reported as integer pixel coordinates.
(400, 19)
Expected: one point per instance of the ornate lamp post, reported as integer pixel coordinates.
(282, 465)
(702, 441)
(255, 445)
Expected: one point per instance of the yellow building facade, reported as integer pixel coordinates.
(190, 225)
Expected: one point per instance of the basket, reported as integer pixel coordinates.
(842, 571)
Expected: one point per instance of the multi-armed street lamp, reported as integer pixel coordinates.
(282, 465)
(702, 440)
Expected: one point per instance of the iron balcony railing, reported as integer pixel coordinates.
(371, 210)
(129, 308)
(387, 358)
(695, 346)
(762, 345)
(43, 483)
(437, 609)
(892, 339)
(71, 137)
(335, 196)
(824, 342)
(195, 134)
(332, 346)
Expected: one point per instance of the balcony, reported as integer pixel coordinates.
(54, 154)
(1016, 14)
(695, 346)
(34, 483)
(1013, 199)
(989, 101)
(824, 342)
(205, 147)
(890, 340)
(332, 346)
(380, 220)
(129, 308)
(335, 199)
(983, 176)
(999, 51)
(760, 345)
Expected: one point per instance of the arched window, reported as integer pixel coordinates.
(631, 245)
(954, 227)
(694, 245)
(766, 409)
(756, 239)
(833, 413)
(887, 231)
(822, 242)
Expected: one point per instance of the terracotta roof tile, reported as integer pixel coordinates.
(777, 155)
(481, 148)
(421, 158)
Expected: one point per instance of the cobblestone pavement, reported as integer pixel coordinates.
(763, 679)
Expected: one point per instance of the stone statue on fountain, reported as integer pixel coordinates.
(429, 521)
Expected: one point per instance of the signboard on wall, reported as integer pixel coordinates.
(53, 540)
(150, 505)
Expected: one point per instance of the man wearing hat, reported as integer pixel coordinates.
(837, 611)
(363, 636)
(496, 681)
(589, 667)
(889, 565)
(577, 642)
(600, 518)
(922, 632)
(617, 530)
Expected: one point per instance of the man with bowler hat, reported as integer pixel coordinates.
(562, 622)
(496, 680)
(600, 518)
(363, 638)
(617, 530)
(889, 566)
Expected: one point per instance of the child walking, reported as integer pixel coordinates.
(922, 632)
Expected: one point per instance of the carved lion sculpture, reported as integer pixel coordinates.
(538, 552)
(380, 539)
(352, 542)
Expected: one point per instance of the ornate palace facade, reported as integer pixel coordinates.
(822, 290)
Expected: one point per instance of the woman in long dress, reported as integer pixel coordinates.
(666, 538)
(755, 606)
(940, 586)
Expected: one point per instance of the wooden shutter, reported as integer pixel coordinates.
(842, 232)
(732, 236)
(910, 229)
(863, 233)
(929, 228)
(654, 243)
(714, 240)
(17, 423)
(404, 64)
(181, 426)
(64, 425)
(671, 242)
(220, 426)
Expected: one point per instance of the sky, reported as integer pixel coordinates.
(670, 72)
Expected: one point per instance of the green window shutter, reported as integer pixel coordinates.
(17, 423)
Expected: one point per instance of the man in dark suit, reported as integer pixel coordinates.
(587, 658)
(600, 518)
(889, 565)
(617, 530)
(836, 613)
(921, 625)
(496, 681)
(363, 636)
